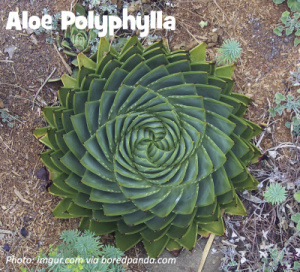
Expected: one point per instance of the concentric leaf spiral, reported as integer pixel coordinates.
(149, 144)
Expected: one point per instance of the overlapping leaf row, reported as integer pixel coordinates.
(149, 144)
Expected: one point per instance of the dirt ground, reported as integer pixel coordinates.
(263, 70)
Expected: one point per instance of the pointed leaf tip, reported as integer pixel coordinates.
(69, 82)
(84, 61)
(225, 71)
(198, 53)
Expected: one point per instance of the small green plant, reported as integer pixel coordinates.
(291, 24)
(297, 196)
(229, 52)
(295, 79)
(296, 217)
(289, 103)
(203, 24)
(294, 5)
(7, 118)
(78, 40)
(81, 252)
(274, 259)
(230, 266)
(277, 259)
(275, 193)
(91, 4)
(53, 32)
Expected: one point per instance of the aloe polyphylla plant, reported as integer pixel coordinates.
(149, 144)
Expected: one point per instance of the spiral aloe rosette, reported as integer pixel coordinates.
(149, 144)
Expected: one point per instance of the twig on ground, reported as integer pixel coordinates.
(8, 61)
(260, 139)
(43, 86)
(207, 247)
(188, 10)
(22, 98)
(18, 194)
(63, 60)
(190, 33)
(74, 2)
(291, 239)
(224, 15)
(284, 145)
(205, 251)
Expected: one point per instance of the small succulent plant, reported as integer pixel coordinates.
(289, 103)
(294, 5)
(296, 217)
(81, 251)
(149, 144)
(291, 24)
(77, 40)
(8, 118)
(275, 193)
(229, 52)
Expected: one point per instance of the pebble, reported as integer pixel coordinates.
(6, 247)
(29, 31)
(33, 39)
(214, 37)
(24, 232)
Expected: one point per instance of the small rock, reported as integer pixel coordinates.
(29, 30)
(24, 232)
(1, 104)
(6, 247)
(273, 154)
(10, 51)
(33, 39)
(42, 174)
(214, 38)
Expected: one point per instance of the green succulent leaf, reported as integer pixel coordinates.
(149, 144)
(278, 30)
(279, 98)
(296, 41)
(296, 219)
(294, 5)
(297, 196)
(285, 17)
(289, 31)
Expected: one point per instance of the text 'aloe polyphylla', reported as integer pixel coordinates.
(149, 144)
